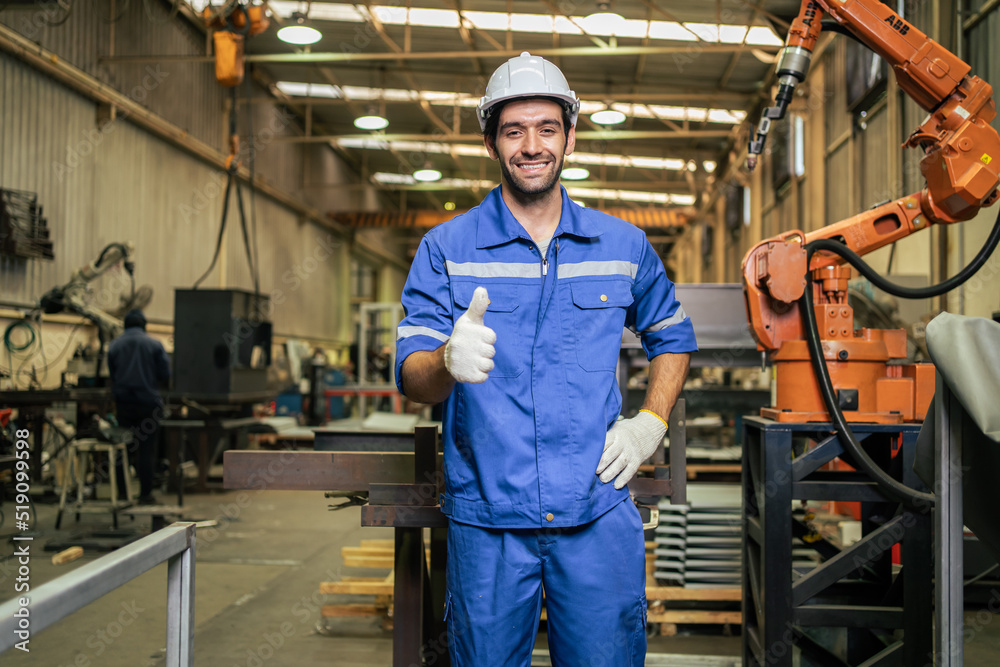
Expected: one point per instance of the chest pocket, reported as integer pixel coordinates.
(503, 315)
(598, 314)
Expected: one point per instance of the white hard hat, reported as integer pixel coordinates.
(527, 76)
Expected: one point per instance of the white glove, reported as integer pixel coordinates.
(468, 356)
(628, 443)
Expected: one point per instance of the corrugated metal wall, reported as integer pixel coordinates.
(123, 184)
(186, 94)
(981, 295)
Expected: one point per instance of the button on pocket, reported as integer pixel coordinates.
(503, 316)
(599, 317)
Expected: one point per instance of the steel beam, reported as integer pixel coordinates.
(444, 138)
(729, 99)
(312, 471)
(849, 616)
(819, 455)
(861, 552)
(382, 56)
(948, 531)
(53, 601)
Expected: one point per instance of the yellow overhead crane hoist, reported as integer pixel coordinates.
(233, 22)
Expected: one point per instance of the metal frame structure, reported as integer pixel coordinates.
(57, 599)
(854, 590)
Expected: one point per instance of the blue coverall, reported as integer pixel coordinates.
(526, 508)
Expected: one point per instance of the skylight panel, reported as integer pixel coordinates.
(434, 18)
(308, 89)
(530, 23)
(762, 36)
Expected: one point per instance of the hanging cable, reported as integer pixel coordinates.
(252, 159)
(892, 487)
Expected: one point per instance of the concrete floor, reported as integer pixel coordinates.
(257, 601)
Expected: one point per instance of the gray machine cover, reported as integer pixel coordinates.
(966, 352)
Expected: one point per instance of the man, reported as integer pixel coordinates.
(514, 318)
(138, 366)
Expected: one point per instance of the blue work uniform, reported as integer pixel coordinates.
(522, 448)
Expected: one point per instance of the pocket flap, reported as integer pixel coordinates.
(503, 298)
(603, 294)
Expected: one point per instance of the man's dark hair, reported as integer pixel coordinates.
(493, 120)
(135, 318)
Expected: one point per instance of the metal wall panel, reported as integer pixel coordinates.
(835, 113)
(874, 145)
(982, 52)
(121, 184)
(185, 94)
(838, 171)
(981, 295)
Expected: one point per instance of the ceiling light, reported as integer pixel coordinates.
(608, 117)
(604, 23)
(427, 175)
(579, 203)
(372, 122)
(575, 173)
(298, 32)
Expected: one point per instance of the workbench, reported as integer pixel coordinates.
(31, 405)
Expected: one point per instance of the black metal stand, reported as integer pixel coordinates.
(850, 609)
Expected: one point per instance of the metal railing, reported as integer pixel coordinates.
(57, 599)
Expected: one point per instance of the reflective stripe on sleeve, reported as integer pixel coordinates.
(406, 332)
(494, 269)
(615, 267)
(678, 317)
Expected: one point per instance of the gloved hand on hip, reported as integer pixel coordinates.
(628, 443)
(468, 355)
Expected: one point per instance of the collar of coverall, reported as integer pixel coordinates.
(497, 225)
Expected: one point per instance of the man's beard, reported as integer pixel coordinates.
(524, 187)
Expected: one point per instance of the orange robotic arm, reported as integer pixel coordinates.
(961, 175)
(960, 163)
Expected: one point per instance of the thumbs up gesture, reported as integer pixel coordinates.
(468, 355)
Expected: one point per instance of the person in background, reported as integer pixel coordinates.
(138, 367)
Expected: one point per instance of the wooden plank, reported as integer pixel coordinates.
(703, 594)
(388, 544)
(360, 552)
(67, 556)
(385, 560)
(695, 616)
(356, 587)
(370, 551)
(352, 610)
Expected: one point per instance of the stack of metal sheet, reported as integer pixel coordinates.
(699, 545)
